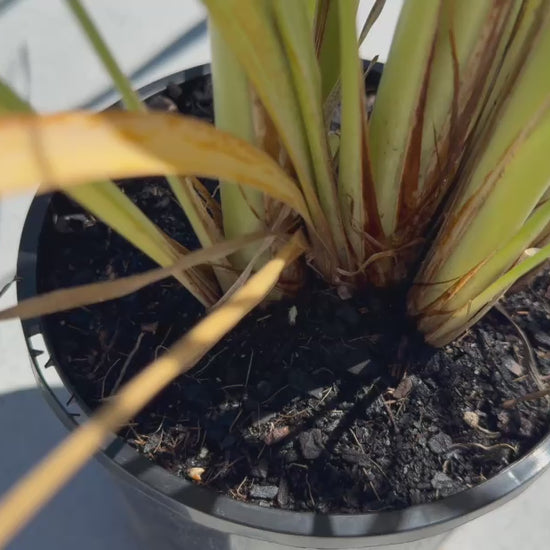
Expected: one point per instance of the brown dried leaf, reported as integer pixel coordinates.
(276, 434)
(403, 389)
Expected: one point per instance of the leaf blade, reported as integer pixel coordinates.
(243, 209)
(395, 109)
(248, 27)
(103, 291)
(63, 150)
(295, 31)
(108, 203)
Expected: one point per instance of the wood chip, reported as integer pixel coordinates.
(276, 434)
(403, 389)
(195, 473)
(513, 366)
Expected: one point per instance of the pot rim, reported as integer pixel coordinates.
(220, 512)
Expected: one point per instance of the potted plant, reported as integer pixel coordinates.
(350, 227)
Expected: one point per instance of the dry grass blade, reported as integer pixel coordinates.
(63, 150)
(511, 403)
(24, 500)
(107, 202)
(245, 274)
(78, 296)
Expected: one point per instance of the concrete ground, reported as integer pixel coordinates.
(44, 56)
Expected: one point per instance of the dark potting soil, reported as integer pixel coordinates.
(309, 404)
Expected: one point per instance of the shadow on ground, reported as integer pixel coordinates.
(89, 513)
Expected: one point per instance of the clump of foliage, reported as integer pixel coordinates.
(444, 187)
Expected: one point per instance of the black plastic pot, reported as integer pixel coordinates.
(173, 513)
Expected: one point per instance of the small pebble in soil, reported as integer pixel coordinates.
(442, 482)
(203, 453)
(267, 492)
(311, 443)
(440, 443)
(513, 366)
(360, 368)
(262, 417)
(292, 314)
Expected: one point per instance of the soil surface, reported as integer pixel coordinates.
(310, 404)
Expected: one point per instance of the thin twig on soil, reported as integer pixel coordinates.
(484, 447)
(274, 394)
(303, 466)
(106, 376)
(375, 464)
(372, 487)
(249, 367)
(224, 469)
(511, 403)
(238, 491)
(261, 452)
(532, 360)
(77, 329)
(235, 421)
(390, 414)
(201, 370)
(329, 391)
(357, 441)
(137, 438)
(127, 363)
(161, 345)
(108, 349)
(159, 443)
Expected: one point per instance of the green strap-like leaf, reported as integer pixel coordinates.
(243, 208)
(184, 193)
(395, 114)
(504, 182)
(249, 29)
(295, 29)
(350, 179)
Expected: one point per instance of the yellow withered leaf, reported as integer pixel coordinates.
(92, 293)
(61, 150)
